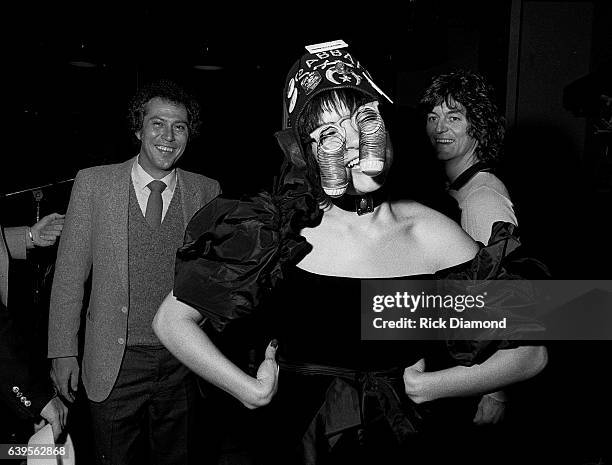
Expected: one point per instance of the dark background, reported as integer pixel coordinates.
(71, 72)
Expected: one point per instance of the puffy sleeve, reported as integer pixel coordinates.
(502, 272)
(237, 249)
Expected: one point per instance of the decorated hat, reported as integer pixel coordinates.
(326, 66)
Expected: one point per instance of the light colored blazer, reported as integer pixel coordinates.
(12, 245)
(95, 239)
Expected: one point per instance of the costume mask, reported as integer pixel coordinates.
(331, 66)
(331, 147)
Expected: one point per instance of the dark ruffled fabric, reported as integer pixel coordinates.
(236, 250)
(353, 403)
(502, 272)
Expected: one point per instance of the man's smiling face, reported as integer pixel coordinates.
(163, 136)
(447, 129)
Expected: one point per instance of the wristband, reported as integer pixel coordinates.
(30, 235)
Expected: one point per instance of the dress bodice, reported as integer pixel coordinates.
(239, 269)
(316, 319)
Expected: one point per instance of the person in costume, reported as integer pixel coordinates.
(289, 263)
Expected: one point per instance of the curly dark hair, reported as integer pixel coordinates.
(477, 97)
(168, 91)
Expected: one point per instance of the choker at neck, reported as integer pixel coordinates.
(361, 204)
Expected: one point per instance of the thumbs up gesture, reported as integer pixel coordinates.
(415, 382)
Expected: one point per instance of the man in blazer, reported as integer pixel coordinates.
(26, 390)
(124, 229)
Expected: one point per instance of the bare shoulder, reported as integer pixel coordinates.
(423, 216)
(441, 237)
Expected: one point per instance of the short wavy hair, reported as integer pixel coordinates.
(477, 97)
(168, 91)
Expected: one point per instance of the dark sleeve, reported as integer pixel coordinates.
(501, 272)
(236, 250)
(25, 389)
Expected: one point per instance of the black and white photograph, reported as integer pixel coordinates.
(307, 234)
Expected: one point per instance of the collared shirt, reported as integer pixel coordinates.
(140, 179)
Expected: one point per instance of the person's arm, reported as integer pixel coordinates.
(41, 234)
(45, 232)
(72, 267)
(30, 394)
(176, 324)
(503, 368)
(481, 209)
(17, 241)
(23, 388)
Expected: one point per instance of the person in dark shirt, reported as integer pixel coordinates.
(24, 388)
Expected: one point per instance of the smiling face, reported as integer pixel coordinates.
(359, 182)
(447, 129)
(163, 137)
